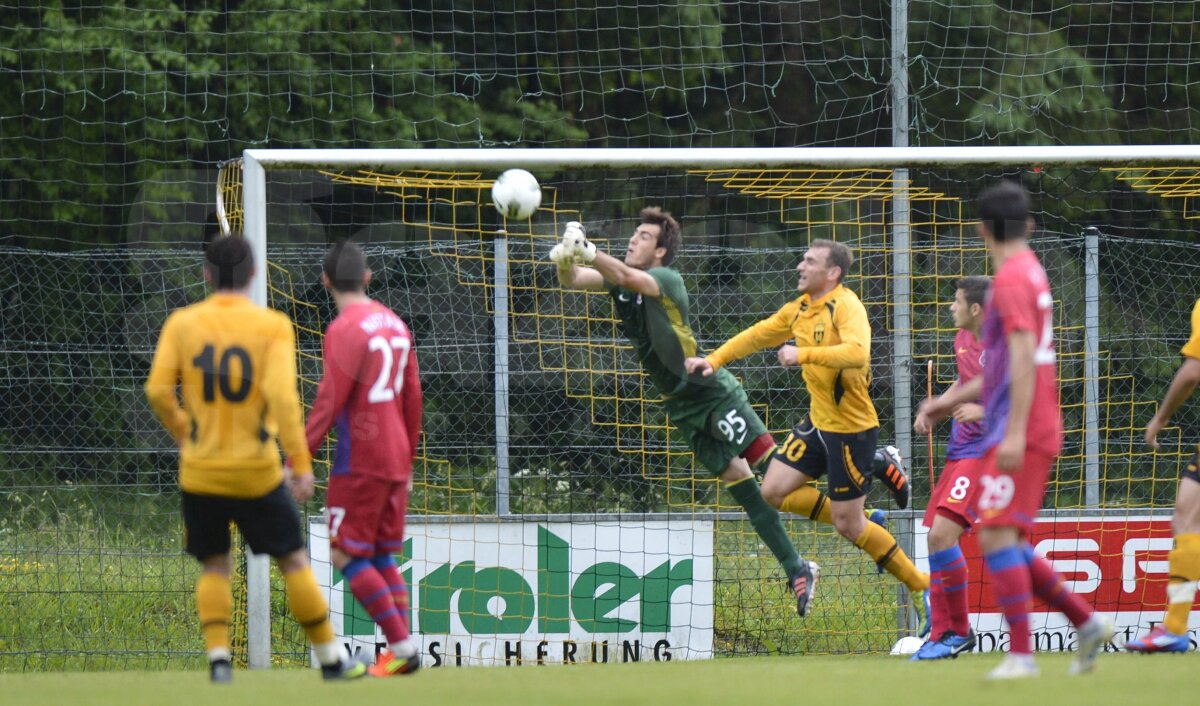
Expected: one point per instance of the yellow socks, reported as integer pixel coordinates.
(214, 603)
(875, 540)
(882, 547)
(809, 502)
(308, 605)
(1184, 566)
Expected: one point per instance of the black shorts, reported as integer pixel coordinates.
(847, 458)
(1192, 469)
(270, 524)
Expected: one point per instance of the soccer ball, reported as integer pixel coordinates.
(907, 645)
(516, 194)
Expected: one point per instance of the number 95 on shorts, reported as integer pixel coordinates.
(723, 434)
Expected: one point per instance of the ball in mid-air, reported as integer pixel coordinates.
(516, 194)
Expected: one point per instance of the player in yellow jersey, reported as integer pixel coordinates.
(234, 365)
(837, 438)
(1172, 635)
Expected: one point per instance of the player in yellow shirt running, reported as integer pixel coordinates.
(234, 363)
(832, 345)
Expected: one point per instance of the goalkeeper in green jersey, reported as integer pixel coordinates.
(713, 414)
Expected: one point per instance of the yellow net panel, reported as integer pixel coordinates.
(1166, 182)
(229, 197)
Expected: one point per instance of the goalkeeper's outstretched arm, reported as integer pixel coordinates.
(570, 250)
(575, 248)
(572, 276)
(625, 276)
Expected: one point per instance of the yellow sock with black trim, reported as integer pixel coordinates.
(809, 502)
(214, 603)
(882, 547)
(308, 605)
(1184, 566)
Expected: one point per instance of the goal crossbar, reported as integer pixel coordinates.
(727, 157)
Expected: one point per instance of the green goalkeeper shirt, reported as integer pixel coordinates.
(658, 328)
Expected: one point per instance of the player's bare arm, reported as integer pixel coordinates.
(626, 277)
(968, 413)
(1011, 449)
(572, 276)
(1182, 386)
(944, 405)
(302, 487)
(568, 253)
(607, 269)
(928, 412)
(604, 269)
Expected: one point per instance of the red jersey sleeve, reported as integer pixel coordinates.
(341, 365)
(1015, 301)
(412, 403)
(967, 353)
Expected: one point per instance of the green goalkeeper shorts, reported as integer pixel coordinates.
(719, 427)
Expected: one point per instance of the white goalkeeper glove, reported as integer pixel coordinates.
(563, 252)
(576, 244)
(560, 256)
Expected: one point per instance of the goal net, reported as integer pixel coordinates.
(112, 119)
(550, 484)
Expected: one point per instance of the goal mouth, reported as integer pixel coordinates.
(540, 412)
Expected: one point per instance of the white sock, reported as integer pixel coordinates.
(1181, 592)
(403, 649)
(330, 653)
(217, 653)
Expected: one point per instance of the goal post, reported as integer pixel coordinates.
(913, 238)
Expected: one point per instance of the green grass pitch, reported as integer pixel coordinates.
(843, 680)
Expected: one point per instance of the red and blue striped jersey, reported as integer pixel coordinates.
(371, 392)
(966, 440)
(1020, 300)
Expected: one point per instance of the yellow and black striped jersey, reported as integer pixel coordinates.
(234, 363)
(833, 338)
(1192, 348)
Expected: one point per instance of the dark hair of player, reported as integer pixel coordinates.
(1004, 210)
(669, 236)
(229, 262)
(975, 288)
(345, 266)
